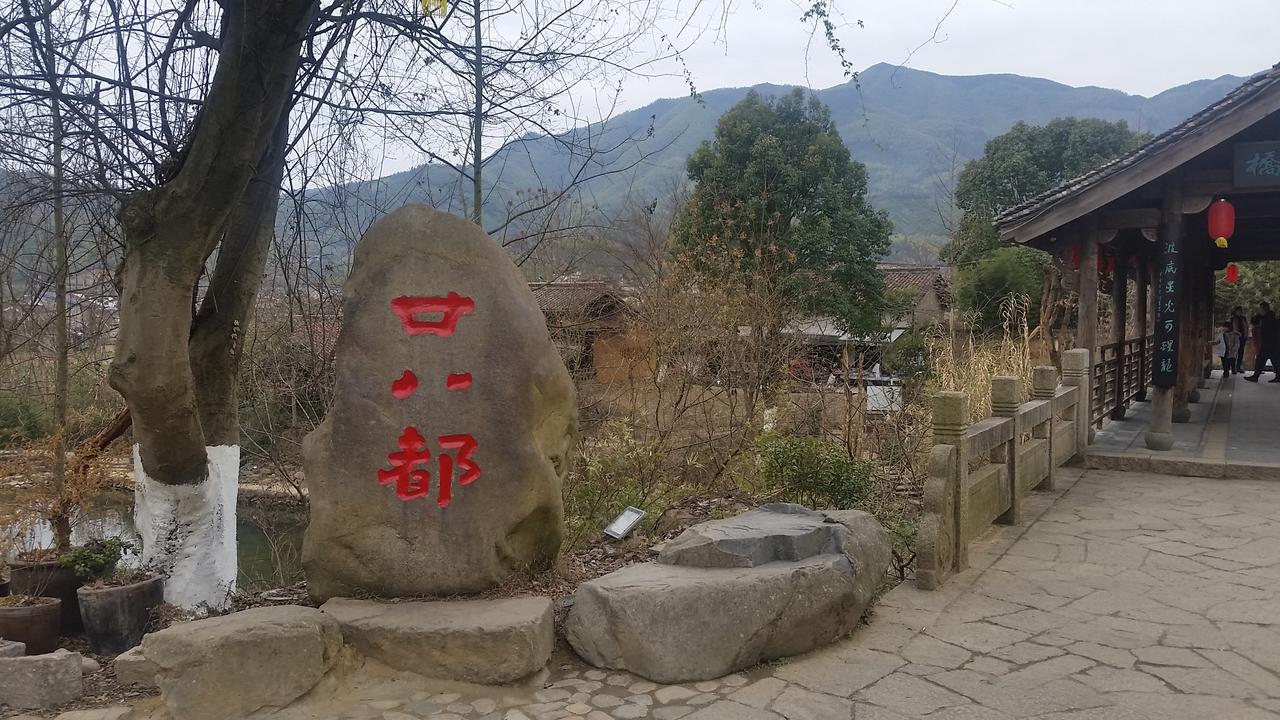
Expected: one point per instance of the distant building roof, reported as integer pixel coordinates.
(578, 301)
(1165, 151)
(916, 277)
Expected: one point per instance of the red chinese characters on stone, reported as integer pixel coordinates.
(413, 482)
(410, 483)
(451, 309)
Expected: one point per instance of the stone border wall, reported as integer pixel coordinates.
(979, 472)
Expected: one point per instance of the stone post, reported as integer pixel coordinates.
(950, 423)
(1078, 373)
(1044, 385)
(1006, 397)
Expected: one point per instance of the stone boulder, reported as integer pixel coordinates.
(12, 648)
(40, 681)
(133, 668)
(779, 531)
(232, 666)
(729, 594)
(442, 345)
(478, 641)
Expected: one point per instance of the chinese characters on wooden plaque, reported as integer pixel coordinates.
(1164, 371)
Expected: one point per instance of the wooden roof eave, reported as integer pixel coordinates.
(1037, 229)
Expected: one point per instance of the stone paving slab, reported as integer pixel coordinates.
(1130, 596)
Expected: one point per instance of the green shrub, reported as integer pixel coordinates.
(19, 421)
(813, 472)
(96, 559)
(616, 468)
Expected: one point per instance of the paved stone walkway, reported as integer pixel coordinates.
(1131, 596)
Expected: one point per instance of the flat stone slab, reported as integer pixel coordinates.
(779, 531)
(40, 681)
(238, 664)
(477, 641)
(673, 624)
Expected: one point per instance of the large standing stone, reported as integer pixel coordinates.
(363, 538)
(771, 583)
(39, 681)
(232, 666)
(478, 641)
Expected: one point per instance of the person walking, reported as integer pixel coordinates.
(1268, 339)
(1240, 324)
(1227, 344)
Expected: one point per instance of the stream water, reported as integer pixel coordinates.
(269, 540)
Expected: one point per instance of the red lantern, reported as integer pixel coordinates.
(1222, 222)
(1075, 257)
(1233, 273)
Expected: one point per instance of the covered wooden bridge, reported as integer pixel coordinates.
(1135, 232)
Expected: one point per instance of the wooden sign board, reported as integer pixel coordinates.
(1164, 369)
(1257, 164)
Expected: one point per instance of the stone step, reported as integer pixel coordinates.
(478, 641)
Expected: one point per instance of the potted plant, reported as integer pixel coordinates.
(115, 601)
(40, 572)
(31, 619)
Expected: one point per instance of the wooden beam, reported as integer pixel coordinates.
(1119, 328)
(1132, 218)
(1196, 204)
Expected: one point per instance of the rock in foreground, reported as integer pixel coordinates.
(676, 623)
(39, 681)
(438, 467)
(478, 641)
(232, 666)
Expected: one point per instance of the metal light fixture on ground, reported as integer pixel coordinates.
(626, 521)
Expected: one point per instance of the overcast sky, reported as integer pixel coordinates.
(1138, 46)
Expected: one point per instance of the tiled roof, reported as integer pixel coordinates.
(1247, 91)
(577, 299)
(915, 277)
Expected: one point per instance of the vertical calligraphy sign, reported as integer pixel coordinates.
(1168, 278)
(437, 316)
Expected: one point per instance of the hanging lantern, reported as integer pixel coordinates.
(1075, 257)
(1222, 222)
(1233, 273)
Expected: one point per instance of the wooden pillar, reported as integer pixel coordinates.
(1142, 312)
(1168, 280)
(1119, 328)
(1087, 290)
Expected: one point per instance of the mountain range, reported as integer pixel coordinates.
(913, 130)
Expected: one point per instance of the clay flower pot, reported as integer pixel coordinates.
(48, 578)
(116, 617)
(36, 625)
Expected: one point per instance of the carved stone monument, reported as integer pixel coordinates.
(439, 465)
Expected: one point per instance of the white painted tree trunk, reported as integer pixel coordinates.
(189, 531)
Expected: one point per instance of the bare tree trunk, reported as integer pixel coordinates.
(186, 459)
(61, 509)
(477, 125)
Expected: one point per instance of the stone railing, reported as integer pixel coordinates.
(979, 472)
